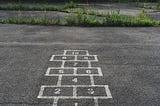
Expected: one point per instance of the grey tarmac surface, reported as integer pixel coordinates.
(129, 58)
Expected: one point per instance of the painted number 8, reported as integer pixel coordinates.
(90, 91)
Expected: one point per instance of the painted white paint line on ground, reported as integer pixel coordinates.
(92, 80)
(100, 71)
(82, 58)
(59, 80)
(55, 102)
(69, 75)
(96, 57)
(75, 91)
(64, 53)
(63, 62)
(52, 58)
(76, 57)
(52, 86)
(41, 92)
(73, 67)
(89, 64)
(75, 72)
(87, 53)
(48, 71)
(77, 97)
(96, 101)
(108, 91)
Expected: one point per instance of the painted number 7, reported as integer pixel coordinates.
(57, 91)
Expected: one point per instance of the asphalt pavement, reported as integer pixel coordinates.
(128, 57)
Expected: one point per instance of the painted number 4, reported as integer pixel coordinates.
(75, 80)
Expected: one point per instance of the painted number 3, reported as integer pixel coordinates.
(57, 91)
(90, 91)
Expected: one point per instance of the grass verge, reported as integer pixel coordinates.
(81, 19)
(47, 7)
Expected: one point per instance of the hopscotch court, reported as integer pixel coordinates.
(75, 79)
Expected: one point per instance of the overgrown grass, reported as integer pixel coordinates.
(80, 19)
(111, 19)
(32, 20)
(33, 7)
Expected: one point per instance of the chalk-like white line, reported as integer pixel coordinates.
(72, 75)
(64, 53)
(75, 91)
(74, 67)
(52, 58)
(75, 58)
(59, 80)
(63, 62)
(96, 101)
(92, 80)
(41, 92)
(48, 71)
(89, 64)
(52, 86)
(108, 91)
(55, 102)
(76, 104)
(72, 97)
(75, 72)
(100, 71)
(96, 57)
(87, 53)
(75, 50)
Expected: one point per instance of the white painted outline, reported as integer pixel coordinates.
(65, 51)
(75, 58)
(99, 71)
(108, 94)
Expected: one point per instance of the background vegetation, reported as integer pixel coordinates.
(44, 1)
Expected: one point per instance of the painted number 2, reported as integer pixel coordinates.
(57, 91)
